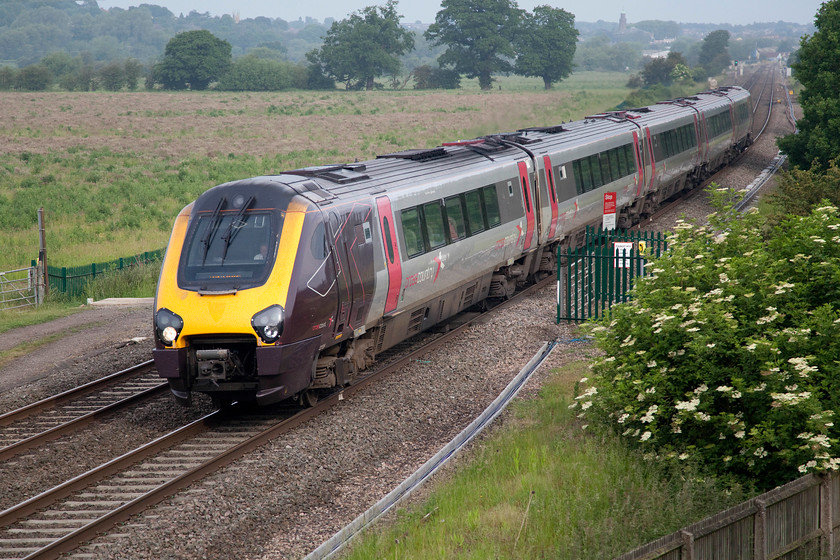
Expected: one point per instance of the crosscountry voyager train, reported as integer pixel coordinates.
(282, 286)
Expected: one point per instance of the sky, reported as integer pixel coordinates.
(707, 11)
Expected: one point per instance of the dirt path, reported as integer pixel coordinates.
(75, 349)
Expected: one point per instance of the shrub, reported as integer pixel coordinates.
(728, 352)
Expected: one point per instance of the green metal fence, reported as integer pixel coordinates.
(593, 277)
(73, 279)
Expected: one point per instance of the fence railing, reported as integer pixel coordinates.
(18, 288)
(590, 279)
(73, 279)
(797, 521)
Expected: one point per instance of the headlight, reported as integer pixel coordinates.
(168, 326)
(268, 323)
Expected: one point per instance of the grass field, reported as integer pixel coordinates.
(113, 169)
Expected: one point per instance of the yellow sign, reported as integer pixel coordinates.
(642, 247)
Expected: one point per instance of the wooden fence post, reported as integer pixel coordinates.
(760, 530)
(827, 515)
(688, 545)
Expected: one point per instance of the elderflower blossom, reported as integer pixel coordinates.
(782, 288)
(801, 366)
(623, 418)
(588, 393)
(645, 436)
(688, 406)
(760, 452)
(648, 417)
(780, 399)
(768, 318)
(724, 389)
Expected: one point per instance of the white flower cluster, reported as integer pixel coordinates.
(768, 318)
(789, 399)
(688, 406)
(801, 366)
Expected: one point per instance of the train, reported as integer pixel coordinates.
(286, 286)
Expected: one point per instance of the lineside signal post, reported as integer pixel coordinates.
(609, 211)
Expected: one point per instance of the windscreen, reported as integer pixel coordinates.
(229, 250)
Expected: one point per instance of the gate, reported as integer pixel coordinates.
(593, 277)
(18, 288)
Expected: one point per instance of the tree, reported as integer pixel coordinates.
(426, 77)
(478, 36)
(35, 77)
(547, 49)
(364, 46)
(714, 56)
(661, 70)
(193, 59)
(250, 73)
(818, 140)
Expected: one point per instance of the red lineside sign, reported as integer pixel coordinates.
(609, 203)
(608, 221)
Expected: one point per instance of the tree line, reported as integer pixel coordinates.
(82, 47)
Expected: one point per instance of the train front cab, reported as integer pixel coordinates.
(244, 297)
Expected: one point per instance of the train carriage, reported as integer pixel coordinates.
(281, 286)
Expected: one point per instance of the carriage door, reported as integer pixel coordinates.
(354, 247)
(529, 204)
(340, 261)
(639, 151)
(552, 195)
(392, 254)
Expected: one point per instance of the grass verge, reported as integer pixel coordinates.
(543, 487)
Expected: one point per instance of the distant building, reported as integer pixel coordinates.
(622, 23)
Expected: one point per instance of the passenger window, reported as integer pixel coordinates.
(585, 175)
(595, 167)
(475, 216)
(433, 212)
(605, 168)
(615, 167)
(411, 232)
(623, 165)
(578, 176)
(455, 218)
(491, 204)
(631, 157)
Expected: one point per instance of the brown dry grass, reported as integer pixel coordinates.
(174, 125)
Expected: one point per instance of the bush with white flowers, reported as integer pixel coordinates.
(729, 353)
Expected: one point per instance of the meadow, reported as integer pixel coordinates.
(112, 170)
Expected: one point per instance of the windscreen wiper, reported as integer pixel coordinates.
(231, 231)
(215, 218)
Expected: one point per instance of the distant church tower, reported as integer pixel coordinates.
(622, 23)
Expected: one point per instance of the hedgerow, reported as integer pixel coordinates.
(729, 353)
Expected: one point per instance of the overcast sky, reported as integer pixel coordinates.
(706, 11)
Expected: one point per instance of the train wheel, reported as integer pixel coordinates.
(308, 398)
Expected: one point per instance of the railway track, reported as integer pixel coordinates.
(58, 520)
(34, 425)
